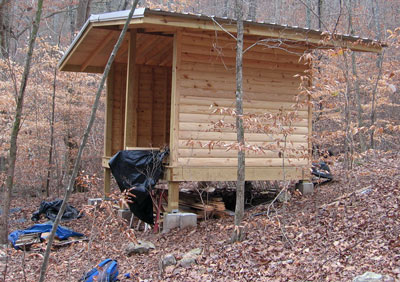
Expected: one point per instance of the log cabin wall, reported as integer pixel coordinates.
(206, 76)
(153, 109)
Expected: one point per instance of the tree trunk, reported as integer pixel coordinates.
(379, 63)
(238, 233)
(320, 4)
(356, 81)
(253, 10)
(277, 11)
(308, 14)
(69, 190)
(16, 126)
(124, 4)
(53, 106)
(358, 101)
(226, 8)
(5, 28)
(83, 13)
(71, 18)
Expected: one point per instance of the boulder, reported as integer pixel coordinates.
(190, 258)
(168, 260)
(373, 277)
(142, 247)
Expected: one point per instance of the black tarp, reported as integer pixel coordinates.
(138, 171)
(50, 210)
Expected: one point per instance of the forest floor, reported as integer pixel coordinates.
(344, 229)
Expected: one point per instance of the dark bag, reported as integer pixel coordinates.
(105, 271)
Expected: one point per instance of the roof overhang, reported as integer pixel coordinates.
(100, 32)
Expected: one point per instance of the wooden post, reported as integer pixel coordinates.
(174, 128)
(130, 131)
(173, 196)
(108, 130)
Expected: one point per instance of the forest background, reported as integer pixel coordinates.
(355, 95)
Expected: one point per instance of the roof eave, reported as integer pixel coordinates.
(89, 24)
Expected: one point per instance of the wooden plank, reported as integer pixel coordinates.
(228, 77)
(107, 182)
(196, 109)
(108, 130)
(141, 148)
(216, 66)
(159, 53)
(155, 47)
(257, 45)
(173, 196)
(109, 114)
(77, 68)
(231, 53)
(204, 103)
(223, 153)
(175, 99)
(228, 85)
(190, 144)
(209, 127)
(248, 96)
(207, 118)
(225, 136)
(253, 162)
(97, 50)
(211, 173)
(151, 110)
(230, 62)
(130, 132)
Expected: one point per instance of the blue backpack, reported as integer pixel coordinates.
(105, 271)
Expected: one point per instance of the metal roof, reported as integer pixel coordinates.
(142, 12)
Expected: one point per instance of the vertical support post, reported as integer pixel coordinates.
(174, 128)
(173, 196)
(309, 102)
(130, 130)
(151, 110)
(108, 129)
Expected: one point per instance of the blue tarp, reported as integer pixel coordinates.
(62, 233)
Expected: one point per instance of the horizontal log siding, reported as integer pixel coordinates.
(207, 77)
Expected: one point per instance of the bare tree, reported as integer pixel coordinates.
(83, 13)
(253, 10)
(379, 63)
(356, 80)
(238, 233)
(5, 27)
(320, 7)
(70, 187)
(308, 14)
(20, 95)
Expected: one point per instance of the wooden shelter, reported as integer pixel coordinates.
(172, 67)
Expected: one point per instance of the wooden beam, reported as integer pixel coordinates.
(77, 68)
(130, 132)
(108, 130)
(174, 128)
(97, 50)
(151, 114)
(212, 173)
(165, 106)
(173, 196)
